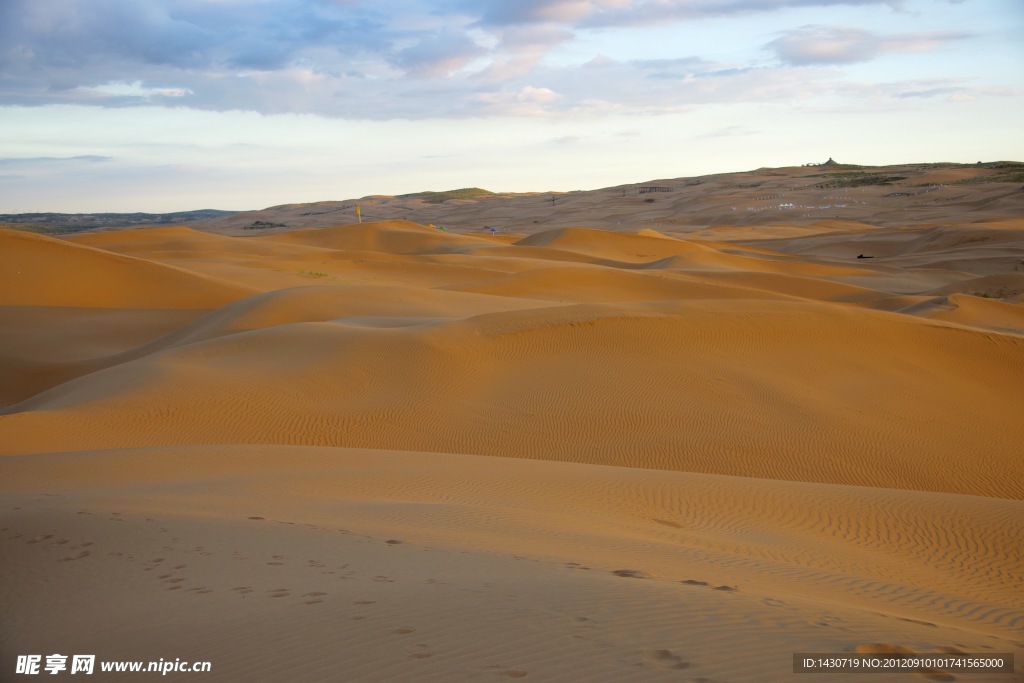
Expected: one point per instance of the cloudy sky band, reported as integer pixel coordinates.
(534, 73)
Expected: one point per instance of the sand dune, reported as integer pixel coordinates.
(34, 350)
(391, 237)
(388, 565)
(593, 285)
(42, 271)
(781, 393)
(978, 312)
(386, 452)
(68, 308)
(610, 245)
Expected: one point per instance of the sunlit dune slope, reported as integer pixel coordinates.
(571, 344)
(590, 284)
(42, 271)
(718, 445)
(841, 544)
(797, 391)
(500, 567)
(393, 237)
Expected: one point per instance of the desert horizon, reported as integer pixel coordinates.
(895, 195)
(672, 434)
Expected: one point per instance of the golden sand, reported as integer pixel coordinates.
(386, 452)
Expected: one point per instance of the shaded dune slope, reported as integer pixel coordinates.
(67, 310)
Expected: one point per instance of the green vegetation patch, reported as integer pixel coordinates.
(263, 225)
(1004, 177)
(441, 197)
(1018, 165)
(860, 179)
(998, 293)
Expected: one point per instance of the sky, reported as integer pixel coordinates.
(174, 105)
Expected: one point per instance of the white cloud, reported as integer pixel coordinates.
(302, 100)
(527, 101)
(133, 90)
(816, 44)
(355, 58)
(439, 54)
(610, 13)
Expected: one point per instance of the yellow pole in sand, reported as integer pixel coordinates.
(359, 213)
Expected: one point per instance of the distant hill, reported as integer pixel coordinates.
(66, 223)
(900, 195)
